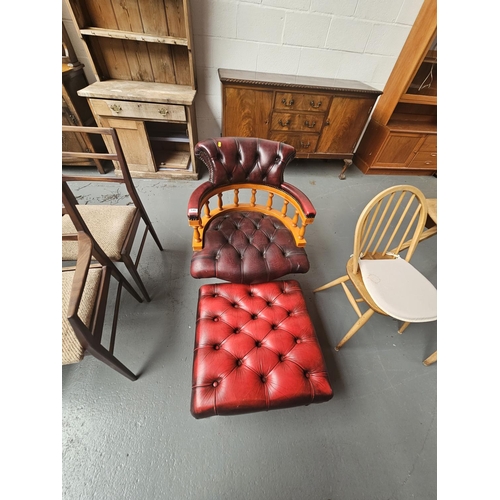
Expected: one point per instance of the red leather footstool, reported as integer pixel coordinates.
(255, 350)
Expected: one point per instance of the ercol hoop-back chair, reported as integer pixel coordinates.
(386, 282)
(85, 289)
(113, 228)
(241, 233)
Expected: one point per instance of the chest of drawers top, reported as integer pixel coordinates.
(295, 82)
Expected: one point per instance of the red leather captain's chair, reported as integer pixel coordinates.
(249, 224)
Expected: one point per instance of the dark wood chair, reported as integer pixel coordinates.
(112, 228)
(85, 291)
(249, 224)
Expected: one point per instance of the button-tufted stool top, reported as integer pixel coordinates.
(255, 350)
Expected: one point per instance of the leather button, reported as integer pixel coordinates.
(239, 362)
(258, 344)
(215, 384)
(306, 374)
(216, 318)
(263, 378)
(282, 357)
(254, 316)
(298, 341)
(216, 347)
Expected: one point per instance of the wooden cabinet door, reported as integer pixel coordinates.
(246, 112)
(399, 149)
(344, 124)
(134, 141)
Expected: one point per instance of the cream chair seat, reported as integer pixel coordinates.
(400, 290)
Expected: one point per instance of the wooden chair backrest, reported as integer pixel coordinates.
(392, 221)
(117, 156)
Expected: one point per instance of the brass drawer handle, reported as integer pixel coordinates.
(305, 146)
(280, 121)
(290, 103)
(433, 154)
(115, 107)
(306, 123)
(163, 112)
(315, 105)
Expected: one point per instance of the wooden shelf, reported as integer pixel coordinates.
(412, 127)
(163, 93)
(431, 57)
(137, 37)
(171, 138)
(418, 99)
(178, 160)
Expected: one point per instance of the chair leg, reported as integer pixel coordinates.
(403, 327)
(361, 321)
(135, 274)
(102, 355)
(154, 235)
(431, 359)
(332, 283)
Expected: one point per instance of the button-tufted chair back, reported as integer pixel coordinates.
(233, 160)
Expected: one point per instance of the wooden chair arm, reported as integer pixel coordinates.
(195, 200)
(302, 199)
(291, 197)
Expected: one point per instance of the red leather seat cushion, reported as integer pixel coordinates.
(248, 247)
(255, 350)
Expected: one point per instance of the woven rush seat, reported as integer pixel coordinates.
(255, 350)
(248, 247)
(72, 350)
(110, 225)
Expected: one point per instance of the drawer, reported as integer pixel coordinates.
(301, 102)
(140, 110)
(303, 143)
(429, 144)
(425, 160)
(297, 121)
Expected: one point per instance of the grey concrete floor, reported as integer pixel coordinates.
(376, 439)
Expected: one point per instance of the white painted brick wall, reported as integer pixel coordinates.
(348, 39)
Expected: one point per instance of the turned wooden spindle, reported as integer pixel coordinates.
(284, 209)
(270, 201)
(253, 197)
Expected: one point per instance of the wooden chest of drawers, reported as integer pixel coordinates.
(322, 118)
